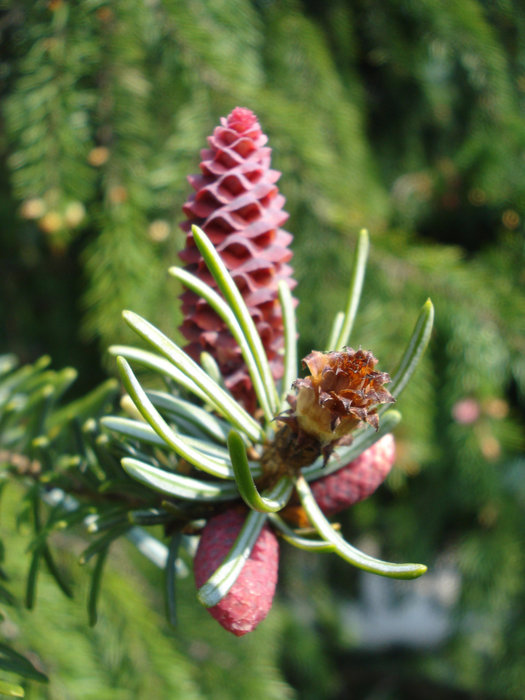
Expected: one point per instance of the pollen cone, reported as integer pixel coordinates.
(251, 596)
(358, 479)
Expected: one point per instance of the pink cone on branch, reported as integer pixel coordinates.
(238, 205)
(251, 596)
(358, 479)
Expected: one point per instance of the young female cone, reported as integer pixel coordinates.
(238, 205)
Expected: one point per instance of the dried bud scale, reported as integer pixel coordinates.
(250, 598)
(238, 205)
(343, 389)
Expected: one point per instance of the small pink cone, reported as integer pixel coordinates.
(357, 480)
(250, 598)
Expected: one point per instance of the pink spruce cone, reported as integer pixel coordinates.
(250, 598)
(238, 205)
(358, 480)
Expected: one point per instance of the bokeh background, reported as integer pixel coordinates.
(404, 117)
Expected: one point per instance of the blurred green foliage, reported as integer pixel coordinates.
(403, 117)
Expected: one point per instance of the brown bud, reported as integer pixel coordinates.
(343, 389)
